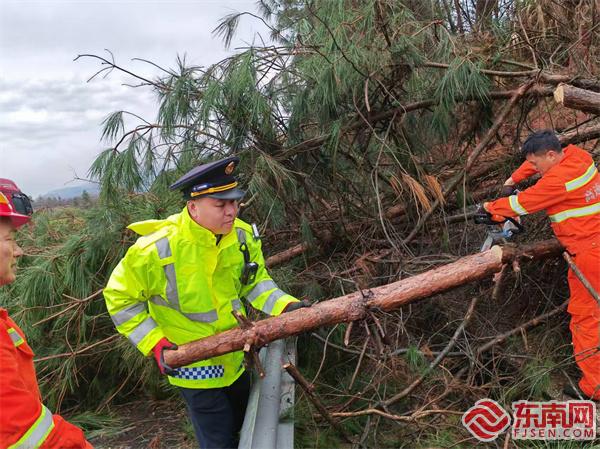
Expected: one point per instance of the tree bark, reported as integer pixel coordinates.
(576, 98)
(286, 255)
(580, 134)
(355, 306)
(582, 83)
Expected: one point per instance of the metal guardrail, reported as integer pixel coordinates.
(268, 423)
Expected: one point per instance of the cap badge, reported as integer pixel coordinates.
(229, 168)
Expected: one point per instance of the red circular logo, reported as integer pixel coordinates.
(486, 420)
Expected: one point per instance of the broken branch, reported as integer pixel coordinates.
(355, 306)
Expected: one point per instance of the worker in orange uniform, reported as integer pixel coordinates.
(569, 192)
(24, 420)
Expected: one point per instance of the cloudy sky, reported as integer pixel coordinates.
(49, 115)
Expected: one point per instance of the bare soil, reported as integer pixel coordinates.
(151, 424)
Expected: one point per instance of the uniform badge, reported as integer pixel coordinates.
(229, 168)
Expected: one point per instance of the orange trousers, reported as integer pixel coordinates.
(585, 321)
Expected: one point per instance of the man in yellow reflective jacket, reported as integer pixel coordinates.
(181, 281)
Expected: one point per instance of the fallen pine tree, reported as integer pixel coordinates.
(579, 134)
(357, 305)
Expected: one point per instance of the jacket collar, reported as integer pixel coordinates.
(570, 155)
(190, 230)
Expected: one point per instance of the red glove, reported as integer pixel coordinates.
(163, 344)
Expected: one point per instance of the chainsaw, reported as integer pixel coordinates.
(498, 231)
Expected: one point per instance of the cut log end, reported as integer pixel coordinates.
(497, 251)
(559, 94)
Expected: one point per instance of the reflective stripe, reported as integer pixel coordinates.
(516, 206)
(574, 213)
(236, 304)
(122, 316)
(37, 433)
(241, 235)
(271, 300)
(583, 179)
(164, 248)
(143, 329)
(202, 317)
(200, 372)
(160, 302)
(260, 288)
(171, 290)
(15, 337)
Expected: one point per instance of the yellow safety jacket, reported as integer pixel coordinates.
(177, 281)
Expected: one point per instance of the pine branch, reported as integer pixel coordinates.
(481, 146)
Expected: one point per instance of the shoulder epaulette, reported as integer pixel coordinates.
(147, 240)
(242, 224)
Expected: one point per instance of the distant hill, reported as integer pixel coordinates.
(71, 192)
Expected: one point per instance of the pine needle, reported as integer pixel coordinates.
(396, 185)
(434, 187)
(417, 191)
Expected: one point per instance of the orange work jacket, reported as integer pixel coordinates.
(24, 420)
(569, 192)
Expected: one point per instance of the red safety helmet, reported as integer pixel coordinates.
(6, 210)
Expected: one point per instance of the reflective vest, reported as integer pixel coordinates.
(569, 192)
(25, 422)
(177, 281)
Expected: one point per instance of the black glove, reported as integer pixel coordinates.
(482, 216)
(297, 305)
(507, 190)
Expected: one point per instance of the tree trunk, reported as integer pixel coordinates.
(483, 14)
(355, 306)
(580, 99)
(580, 134)
(459, 19)
(284, 256)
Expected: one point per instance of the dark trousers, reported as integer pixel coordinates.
(217, 414)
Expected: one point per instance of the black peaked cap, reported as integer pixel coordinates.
(214, 179)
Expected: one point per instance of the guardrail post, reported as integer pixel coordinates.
(271, 398)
